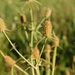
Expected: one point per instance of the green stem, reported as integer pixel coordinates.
(42, 21)
(40, 41)
(43, 47)
(41, 52)
(37, 70)
(33, 72)
(31, 15)
(26, 34)
(12, 70)
(17, 50)
(21, 69)
(48, 65)
(31, 43)
(54, 60)
(2, 53)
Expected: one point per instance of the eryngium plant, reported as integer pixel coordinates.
(33, 63)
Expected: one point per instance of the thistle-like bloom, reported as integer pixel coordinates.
(2, 25)
(48, 29)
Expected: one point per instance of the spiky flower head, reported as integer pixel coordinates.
(47, 29)
(47, 13)
(56, 41)
(36, 52)
(9, 60)
(2, 25)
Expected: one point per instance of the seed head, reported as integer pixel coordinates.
(47, 29)
(36, 52)
(56, 41)
(48, 47)
(47, 50)
(47, 13)
(2, 25)
(22, 18)
(9, 60)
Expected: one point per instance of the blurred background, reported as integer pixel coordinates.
(63, 21)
